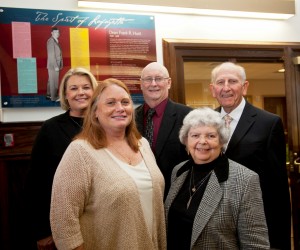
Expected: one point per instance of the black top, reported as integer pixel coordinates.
(181, 217)
(50, 144)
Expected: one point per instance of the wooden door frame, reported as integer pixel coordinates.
(178, 51)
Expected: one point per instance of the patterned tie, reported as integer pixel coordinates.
(149, 126)
(228, 120)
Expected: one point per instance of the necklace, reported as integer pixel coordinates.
(193, 189)
(80, 126)
(127, 159)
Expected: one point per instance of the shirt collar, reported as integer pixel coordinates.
(159, 109)
(237, 112)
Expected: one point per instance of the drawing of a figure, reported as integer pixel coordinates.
(54, 64)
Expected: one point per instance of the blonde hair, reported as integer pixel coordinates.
(63, 85)
(93, 131)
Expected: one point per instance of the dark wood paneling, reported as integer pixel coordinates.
(24, 135)
(14, 165)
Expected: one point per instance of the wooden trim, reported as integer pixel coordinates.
(178, 51)
(12, 158)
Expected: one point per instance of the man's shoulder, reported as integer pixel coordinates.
(260, 113)
(179, 106)
(139, 108)
(50, 39)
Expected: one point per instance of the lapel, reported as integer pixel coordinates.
(139, 118)
(166, 127)
(209, 203)
(175, 187)
(56, 42)
(246, 121)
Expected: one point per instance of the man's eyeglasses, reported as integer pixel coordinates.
(156, 79)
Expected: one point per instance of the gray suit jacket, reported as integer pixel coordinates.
(54, 55)
(168, 151)
(231, 214)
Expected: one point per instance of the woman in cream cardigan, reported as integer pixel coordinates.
(108, 191)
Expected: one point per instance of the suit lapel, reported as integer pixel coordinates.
(139, 118)
(210, 201)
(245, 123)
(176, 186)
(166, 126)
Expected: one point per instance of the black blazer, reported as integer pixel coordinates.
(50, 144)
(258, 143)
(168, 150)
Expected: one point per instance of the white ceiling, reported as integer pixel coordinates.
(265, 6)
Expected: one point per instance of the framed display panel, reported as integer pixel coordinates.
(108, 44)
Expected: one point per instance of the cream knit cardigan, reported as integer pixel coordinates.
(96, 203)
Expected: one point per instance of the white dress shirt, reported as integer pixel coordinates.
(235, 115)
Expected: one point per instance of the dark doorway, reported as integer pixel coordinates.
(277, 105)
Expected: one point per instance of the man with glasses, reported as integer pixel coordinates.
(257, 142)
(159, 119)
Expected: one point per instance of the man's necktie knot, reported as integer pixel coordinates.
(149, 126)
(228, 120)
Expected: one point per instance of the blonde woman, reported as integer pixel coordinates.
(76, 89)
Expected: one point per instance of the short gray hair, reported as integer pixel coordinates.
(204, 117)
(228, 66)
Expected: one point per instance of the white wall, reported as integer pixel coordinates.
(173, 26)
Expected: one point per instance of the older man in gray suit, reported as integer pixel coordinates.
(54, 64)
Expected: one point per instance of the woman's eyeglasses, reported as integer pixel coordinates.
(155, 79)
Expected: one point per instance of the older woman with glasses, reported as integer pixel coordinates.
(213, 202)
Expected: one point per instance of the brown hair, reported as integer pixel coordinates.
(93, 131)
